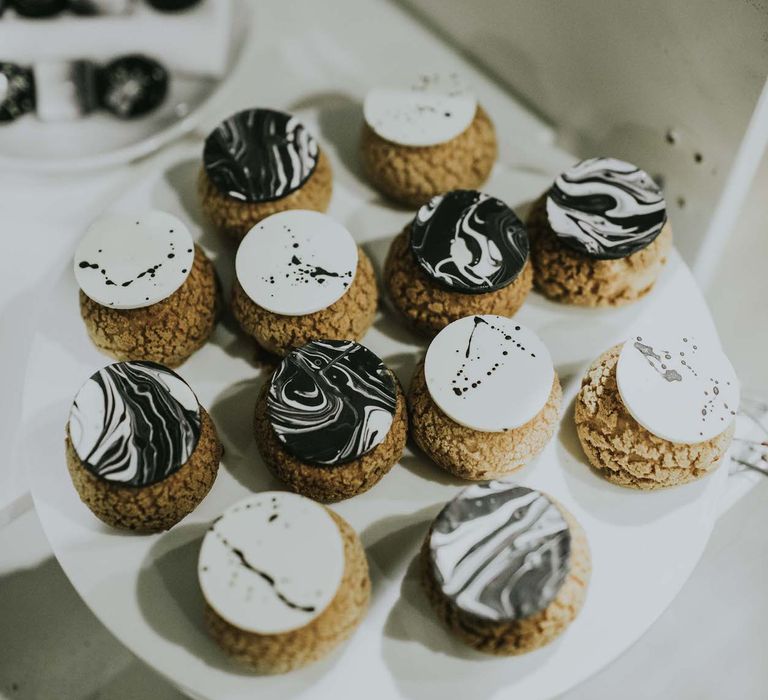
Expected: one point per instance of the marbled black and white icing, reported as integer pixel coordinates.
(331, 401)
(488, 373)
(436, 109)
(129, 261)
(679, 387)
(469, 242)
(134, 423)
(259, 155)
(606, 208)
(296, 262)
(17, 91)
(271, 563)
(500, 551)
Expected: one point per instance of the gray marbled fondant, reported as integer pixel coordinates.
(500, 551)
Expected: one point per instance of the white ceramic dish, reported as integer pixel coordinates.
(101, 140)
(144, 589)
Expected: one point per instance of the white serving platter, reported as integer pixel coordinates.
(101, 140)
(144, 588)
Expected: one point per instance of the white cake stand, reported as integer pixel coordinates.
(144, 588)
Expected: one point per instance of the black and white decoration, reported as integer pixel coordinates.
(499, 551)
(135, 423)
(131, 86)
(606, 208)
(331, 401)
(680, 387)
(17, 91)
(436, 109)
(469, 242)
(259, 155)
(488, 373)
(296, 262)
(129, 261)
(271, 563)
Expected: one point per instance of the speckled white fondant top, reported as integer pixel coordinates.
(488, 373)
(677, 387)
(296, 262)
(271, 563)
(435, 110)
(128, 261)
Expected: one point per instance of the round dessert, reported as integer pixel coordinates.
(17, 91)
(600, 236)
(331, 421)
(131, 86)
(147, 292)
(285, 581)
(141, 451)
(658, 410)
(300, 276)
(505, 567)
(430, 139)
(464, 253)
(259, 162)
(486, 399)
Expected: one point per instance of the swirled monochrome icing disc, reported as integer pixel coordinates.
(134, 423)
(500, 551)
(127, 261)
(271, 563)
(296, 262)
(331, 401)
(259, 155)
(437, 109)
(488, 373)
(606, 208)
(677, 387)
(469, 242)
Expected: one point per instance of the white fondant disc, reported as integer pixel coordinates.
(129, 261)
(296, 262)
(488, 373)
(433, 112)
(677, 387)
(271, 563)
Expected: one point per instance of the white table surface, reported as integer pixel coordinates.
(45, 216)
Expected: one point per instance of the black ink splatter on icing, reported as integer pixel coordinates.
(149, 273)
(477, 368)
(469, 242)
(500, 551)
(146, 428)
(17, 91)
(671, 375)
(711, 401)
(300, 272)
(242, 560)
(606, 208)
(331, 401)
(260, 155)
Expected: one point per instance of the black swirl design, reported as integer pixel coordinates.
(606, 208)
(135, 423)
(260, 155)
(500, 551)
(331, 401)
(469, 242)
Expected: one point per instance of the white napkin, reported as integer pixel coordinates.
(195, 42)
